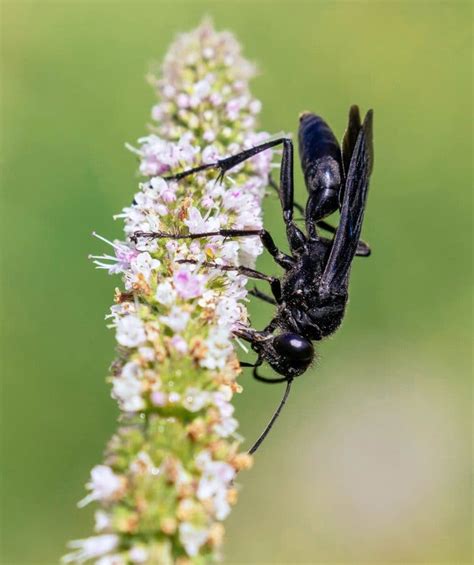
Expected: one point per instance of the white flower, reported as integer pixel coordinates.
(142, 464)
(144, 265)
(104, 485)
(255, 106)
(174, 397)
(215, 190)
(117, 311)
(208, 52)
(186, 151)
(168, 91)
(165, 293)
(229, 252)
(214, 483)
(147, 353)
(236, 287)
(228, 311)
(130, 331)
(90, 548)
(197, 224)
(177, 319)
(219, 348)
(102, 520)
(128, 393)
(221, 505)
(138, 554)
(127, 387)
(250, 249)
(221, 401)
(114, 559)
(195, 399)
(208, 299)
(226, 427)
(202, 88)
(216, 476)
(192, 538)
(158, 184)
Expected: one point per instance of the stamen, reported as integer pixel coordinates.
(111, 257)
(98, 236)
(241, 344)
(133, 149)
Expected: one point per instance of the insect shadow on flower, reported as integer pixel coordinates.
(311, 296)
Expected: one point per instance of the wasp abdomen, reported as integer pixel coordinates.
(320, 153)
(321, 162)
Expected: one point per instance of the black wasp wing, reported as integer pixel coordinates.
(350, 138)
(337, 269)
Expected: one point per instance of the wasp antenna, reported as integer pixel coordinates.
(269, 426)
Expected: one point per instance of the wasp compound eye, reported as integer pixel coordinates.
(297, 349)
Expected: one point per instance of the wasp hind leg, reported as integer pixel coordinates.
(280, 258)
(263, 296)
(274, 282)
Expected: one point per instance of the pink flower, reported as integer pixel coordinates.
(118, 263)
(187, 284)
(168, 195)
(157, 112)
(209, 136)
(182, 100)
(210, 154)
(166, 191)
(216, 99)
(179, 344)
(125, 255)
(207, 202)
(104, 485)
(159, 398)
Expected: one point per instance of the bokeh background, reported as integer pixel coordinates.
(370, 462)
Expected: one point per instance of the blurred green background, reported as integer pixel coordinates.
(370, 462)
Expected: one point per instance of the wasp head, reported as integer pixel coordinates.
(288, 354)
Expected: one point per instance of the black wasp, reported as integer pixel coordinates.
(311, 296)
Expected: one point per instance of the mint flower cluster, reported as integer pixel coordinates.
(167, 481)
